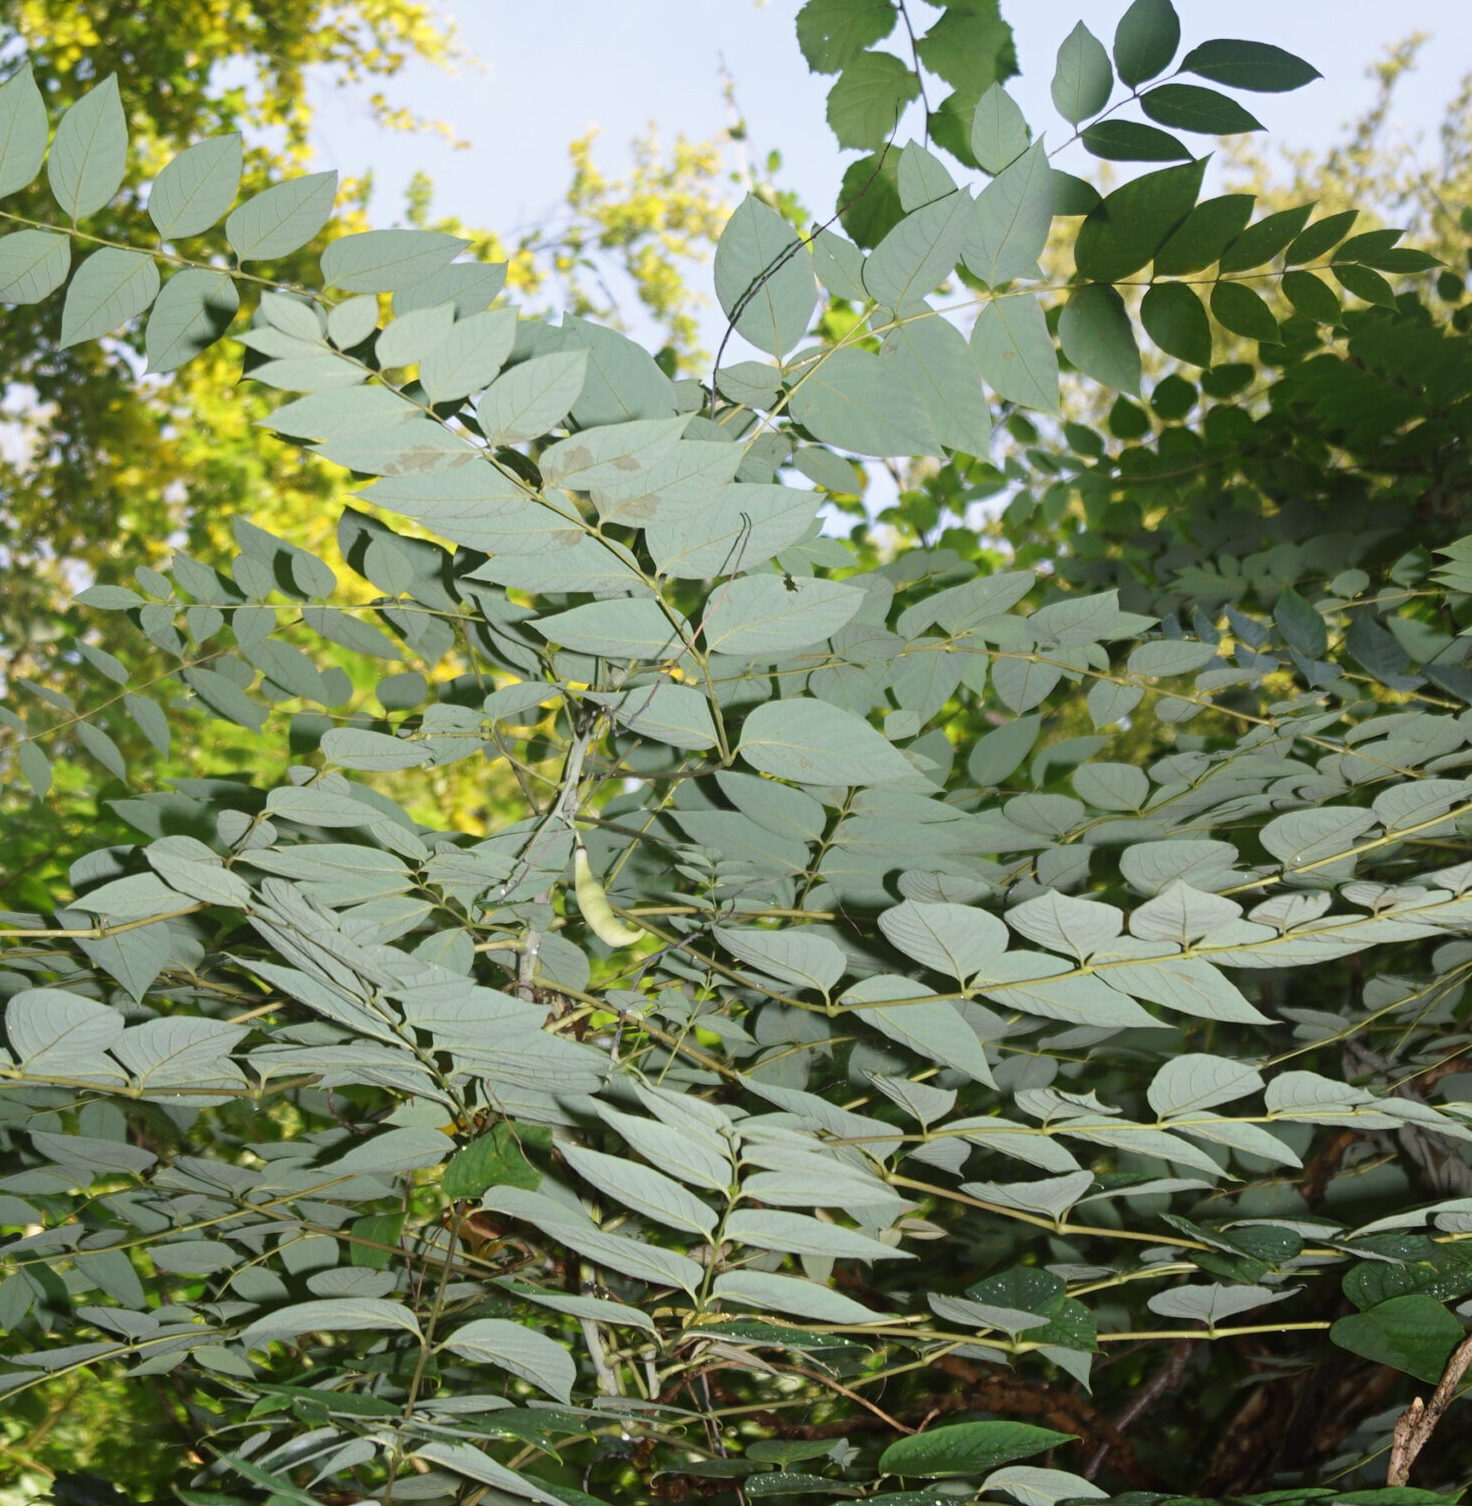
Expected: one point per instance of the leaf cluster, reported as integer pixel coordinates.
(920, 1001)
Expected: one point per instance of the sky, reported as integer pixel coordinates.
(550, 69)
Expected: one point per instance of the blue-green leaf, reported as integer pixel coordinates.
(90, 152)
(1010, 223)
(741, 528)
(919, 253)
(1083, 78)
(197, 187)
(519, 1349)
(922, 178)
(814, 742)
(1015, 353)
(225, 698)
(533, 397)
(934, 1029)
(1196, 1081)
(381, 261)
(33, 264)
(469, 356)
(623, 382)
(791, 1294)
(630, 628)
(764, 278)
(643, 1189)
(360, 748)
(610, 455)
(999, 134)
(192, 312)
(773, 614)
(675, 714)
(848, 400)
(791, 956)
(109, 288)
(23, 130)
(338, 1315)
(282, 219)
(929, 357)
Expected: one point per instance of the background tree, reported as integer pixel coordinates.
(932, 1023)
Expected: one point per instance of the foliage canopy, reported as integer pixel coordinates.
(940, 1020)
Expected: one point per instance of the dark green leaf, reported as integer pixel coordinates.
(1175, 320)
(1414, 1333)
(1237, 308)
(1146, 40)
(1323, 235)
(970, 47)
(832, 33)
(967, 1448)
(1249, 65)
(865, 105)
(1311, 295)
(1204, 234)
(1188, 107)
(1129, 141)
(1097, 335)
(1364, 283)
(1261, 242)
(1073, 196)
(1135, 221)
(869, 204)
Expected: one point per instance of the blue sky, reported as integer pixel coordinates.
(551, 68)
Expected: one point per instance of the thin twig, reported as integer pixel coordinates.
(1414, 1426)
